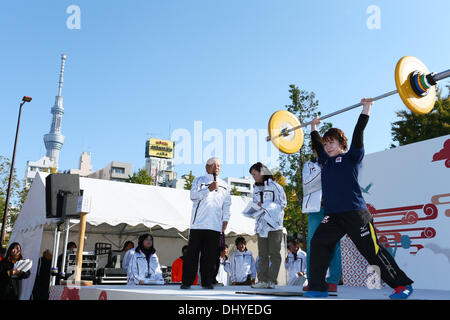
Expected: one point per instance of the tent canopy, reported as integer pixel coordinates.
(127, 208)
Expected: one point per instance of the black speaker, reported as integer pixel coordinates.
(61, 195)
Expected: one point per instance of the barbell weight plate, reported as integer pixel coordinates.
(279, 121)
(406, 66)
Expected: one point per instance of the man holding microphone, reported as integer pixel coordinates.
(210, 214)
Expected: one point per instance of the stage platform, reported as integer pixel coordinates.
(173, 292)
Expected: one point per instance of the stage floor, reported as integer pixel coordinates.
(173, 292)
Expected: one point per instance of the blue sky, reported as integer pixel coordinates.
(139, 68)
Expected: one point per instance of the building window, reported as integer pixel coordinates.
(118, 170)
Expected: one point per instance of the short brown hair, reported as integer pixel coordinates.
(338, 134)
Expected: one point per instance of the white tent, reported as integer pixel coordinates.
(120, 211)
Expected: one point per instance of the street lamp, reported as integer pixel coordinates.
(5, 214)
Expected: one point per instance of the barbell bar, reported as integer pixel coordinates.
(415, 85)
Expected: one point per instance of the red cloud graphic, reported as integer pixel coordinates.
(443, 154)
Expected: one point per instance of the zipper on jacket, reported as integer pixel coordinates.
(196, 209)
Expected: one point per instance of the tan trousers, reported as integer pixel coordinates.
(269, 248)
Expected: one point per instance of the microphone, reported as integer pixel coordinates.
(215, 178)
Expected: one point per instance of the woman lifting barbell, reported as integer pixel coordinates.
(346, 211)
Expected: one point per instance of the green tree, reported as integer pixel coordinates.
(304, 107)
(414, 127)
(188, 180)
(17, 195)
(18, 203)
(141, 177)
(234, 192)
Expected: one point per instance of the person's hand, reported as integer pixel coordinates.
(213, 186)
(314, 123)
(300, 274)
(14, 272)
(260, 204)
(286, 260)
(367, 103)
(224, 226)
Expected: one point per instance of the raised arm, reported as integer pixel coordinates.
(316, 140)
(358, 133)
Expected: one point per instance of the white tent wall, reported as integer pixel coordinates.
(28, 230)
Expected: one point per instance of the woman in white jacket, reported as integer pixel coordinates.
(269, 199)
(144, 266)
(242, 263)
(296, 264)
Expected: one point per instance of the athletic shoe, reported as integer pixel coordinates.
(402, 292)
(315, 294)
(332, 287)
(270, 285)
(185, 286)
(260, 285)
(306, 288)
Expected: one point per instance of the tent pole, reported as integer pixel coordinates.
(54, 268)
(79, 258)
(62, 272)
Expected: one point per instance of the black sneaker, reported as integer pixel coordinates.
(185, 286)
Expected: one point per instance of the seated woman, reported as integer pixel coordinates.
(144, 266)
(295, 264)
(243, 271)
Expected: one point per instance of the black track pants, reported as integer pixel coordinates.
(358, 225)
(203, 243)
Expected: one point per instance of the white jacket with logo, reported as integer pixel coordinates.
(273, 199)
(140, 269)
(242, 264)
(210, 208)
(312, 187)
(295, 266)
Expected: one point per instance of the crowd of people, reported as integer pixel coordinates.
(332, 199)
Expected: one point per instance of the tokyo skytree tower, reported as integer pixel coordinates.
(54, 139)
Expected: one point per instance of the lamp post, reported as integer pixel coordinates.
(5, 214)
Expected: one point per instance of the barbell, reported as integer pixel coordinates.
(415, 85)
